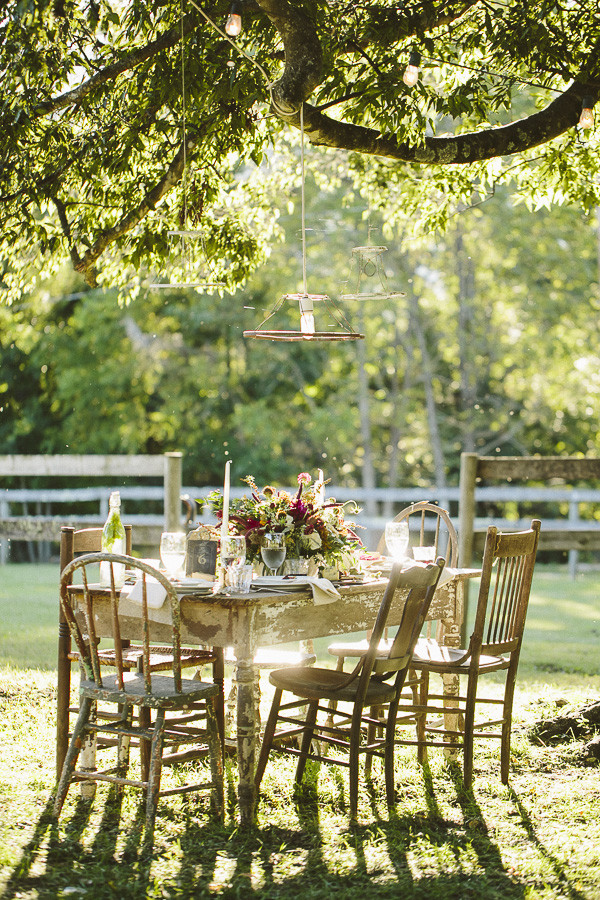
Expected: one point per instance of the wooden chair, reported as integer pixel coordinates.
(433, 528)
(89, 540)
(144, 689)
(495, 644)
(375, 681)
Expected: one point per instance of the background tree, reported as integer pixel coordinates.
(94, 152)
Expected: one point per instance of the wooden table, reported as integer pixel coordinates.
(245, 621)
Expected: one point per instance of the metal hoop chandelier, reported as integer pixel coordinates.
(305, 300)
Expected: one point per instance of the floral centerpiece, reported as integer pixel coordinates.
(314, 529)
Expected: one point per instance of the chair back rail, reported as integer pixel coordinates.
(88, 649)
(425, 518)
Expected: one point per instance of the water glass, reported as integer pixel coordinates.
(273, 550)
(172, 552)
(396, 539)
(424, 554)
(242, 578)
(233, 550)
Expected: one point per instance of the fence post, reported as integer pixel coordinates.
(573, 554)
(173, 491)
(466, 508)
(4, 544)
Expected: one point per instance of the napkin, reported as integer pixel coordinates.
(323, 590)
(155, 593)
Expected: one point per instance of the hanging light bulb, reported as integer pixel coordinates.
(411, 73)
(307, 319)
(233, 26)
(586, 120)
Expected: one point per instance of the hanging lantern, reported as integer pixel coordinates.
(184, 243)
(371, 280)
(306, 302)
(183, 257)
(307, 332)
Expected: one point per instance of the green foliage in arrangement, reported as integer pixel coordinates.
(125, 120)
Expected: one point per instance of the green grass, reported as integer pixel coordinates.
(534, 839)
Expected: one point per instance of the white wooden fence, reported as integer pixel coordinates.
(37, 514)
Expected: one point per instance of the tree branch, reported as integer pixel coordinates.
(539, 128)
(303, 55)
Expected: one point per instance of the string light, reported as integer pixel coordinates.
(411, 73)
(586, 120)
(233, 26)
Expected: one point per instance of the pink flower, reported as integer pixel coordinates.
(304, 478)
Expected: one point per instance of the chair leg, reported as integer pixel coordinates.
(421, 718)
(390, 733)
(307, 736)
(355, 730)
(509, 693)
(153, 786)
(469, 725)
(218, 672)
(267, 740)
(216, 755)
(124, 744)
(72, 755)
(144, 721)
(339, 667)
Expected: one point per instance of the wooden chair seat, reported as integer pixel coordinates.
(314, 683)
(272, 658)
(165, 694)
(439, 657)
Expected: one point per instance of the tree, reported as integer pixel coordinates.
(104, 150)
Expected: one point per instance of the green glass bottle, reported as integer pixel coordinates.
(113, 541)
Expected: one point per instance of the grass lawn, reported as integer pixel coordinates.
(535, 838)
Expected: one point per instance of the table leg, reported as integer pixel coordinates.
(246, 675)
(452, 638)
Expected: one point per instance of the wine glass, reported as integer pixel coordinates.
(233, 550)
(172, 552)
(273, 551)
(396, 539)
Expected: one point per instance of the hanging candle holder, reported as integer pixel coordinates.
(184, 255)
(184, 242)
(371, 280)
(306, 302)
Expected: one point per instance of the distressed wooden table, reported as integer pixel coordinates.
(245, 621)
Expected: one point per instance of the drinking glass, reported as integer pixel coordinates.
(273, 551)
(396, 539)
(233, 550)
(172, 552)
(233, 556)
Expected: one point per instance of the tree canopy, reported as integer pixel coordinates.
(124, 119)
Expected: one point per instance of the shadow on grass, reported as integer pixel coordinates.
(566, 885)
(313, 851)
